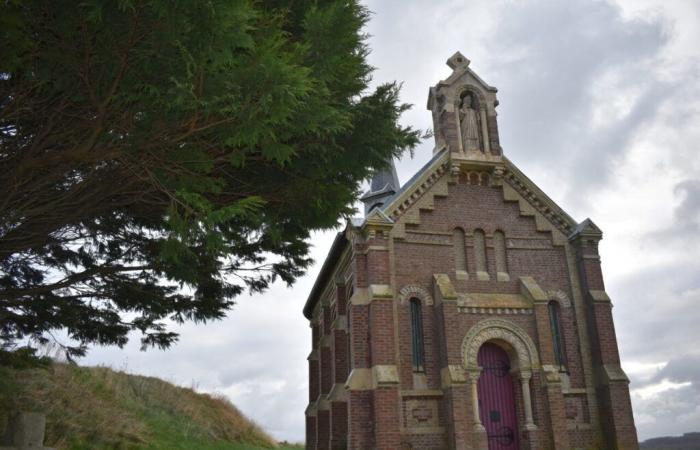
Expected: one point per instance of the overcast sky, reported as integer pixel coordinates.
(600, 106)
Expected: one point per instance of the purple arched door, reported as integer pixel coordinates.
(497, 398)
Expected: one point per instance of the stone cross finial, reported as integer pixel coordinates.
(458, 60)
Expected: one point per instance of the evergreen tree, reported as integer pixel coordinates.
(160, 157)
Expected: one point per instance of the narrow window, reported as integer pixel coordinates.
(480, 251)
(460, 250)
(417, 336)
(557, 336)
(499, 243)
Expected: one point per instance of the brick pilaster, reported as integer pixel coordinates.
(612, 385)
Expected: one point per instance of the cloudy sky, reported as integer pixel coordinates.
(600, 106)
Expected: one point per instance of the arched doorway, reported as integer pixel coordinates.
(497, 398)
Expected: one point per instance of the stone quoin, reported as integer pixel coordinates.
(466, 310)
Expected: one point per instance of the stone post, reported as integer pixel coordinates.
(25, 430)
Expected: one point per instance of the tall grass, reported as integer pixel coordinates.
(98, 408)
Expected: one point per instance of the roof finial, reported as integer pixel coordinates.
(458, 60)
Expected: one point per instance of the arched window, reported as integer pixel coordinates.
(417, 336)
(460, 250)
(480, 251)
(557, 335)
(499, 244)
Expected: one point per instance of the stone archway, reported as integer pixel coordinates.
(525, 355)
(415, 291)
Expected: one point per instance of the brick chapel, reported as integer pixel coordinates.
(466, 310)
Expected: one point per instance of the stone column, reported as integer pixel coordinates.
(480, 437)
(527, 401)
(485, 131)
(474, 382)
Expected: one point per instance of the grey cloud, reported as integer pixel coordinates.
(688, 212)
(673, 412)
(682, 369)
(659, 316)
(551, 54)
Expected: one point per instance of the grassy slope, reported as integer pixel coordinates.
(98, 408)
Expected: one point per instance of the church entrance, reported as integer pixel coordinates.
(497, 398)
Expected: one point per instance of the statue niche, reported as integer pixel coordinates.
(470, 123)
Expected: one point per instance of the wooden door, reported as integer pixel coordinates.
(497, 398)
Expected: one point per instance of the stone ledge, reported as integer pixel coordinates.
(365, 296)
(422, 393)
(444, 290)
(313, 356)
(614, 373)
(365, 379)
(423, 430)
(338, 393)
(530, 289)
(452, 375)
(599, 296)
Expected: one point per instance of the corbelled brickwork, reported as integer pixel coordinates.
(468, 252)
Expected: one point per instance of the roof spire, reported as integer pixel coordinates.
(384, 184)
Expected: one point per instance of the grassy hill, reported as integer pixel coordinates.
(98, 408)
(689, 441)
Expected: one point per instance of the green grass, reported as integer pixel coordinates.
(96, 408)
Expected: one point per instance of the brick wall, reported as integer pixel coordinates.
(561, 410)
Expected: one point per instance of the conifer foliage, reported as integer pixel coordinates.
(160, 157)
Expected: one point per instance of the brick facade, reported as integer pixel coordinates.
(522, 253)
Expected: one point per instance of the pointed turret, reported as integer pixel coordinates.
(384, 184)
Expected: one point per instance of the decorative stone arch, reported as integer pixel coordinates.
(415, 291)
(525, 355)
(500, 330)
(560, 297)
(474, 90)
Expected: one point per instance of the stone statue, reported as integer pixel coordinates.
(469, 124)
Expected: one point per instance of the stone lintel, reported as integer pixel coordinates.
(494, 301)
(452, 375)
(530, 289)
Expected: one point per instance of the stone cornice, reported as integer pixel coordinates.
(540, 201)
(412, 193)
